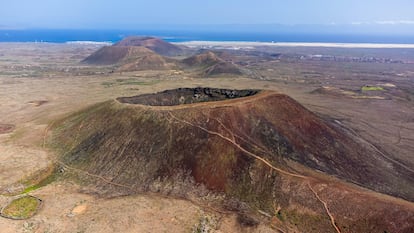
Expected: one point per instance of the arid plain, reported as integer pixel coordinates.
(368, 92)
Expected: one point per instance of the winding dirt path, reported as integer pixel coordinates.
(234, 143)
(325, 205)
(240, 148)
(129, 187)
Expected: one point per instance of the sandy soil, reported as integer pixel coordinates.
(32, 103)
(19, 162)
(31, 74)
(65, 209)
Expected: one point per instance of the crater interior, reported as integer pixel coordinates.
(187, 96)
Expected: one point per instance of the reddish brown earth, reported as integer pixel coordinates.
(155, 44)
(6, 128)
(110, 55)
(204, 59)
(261, 149)
(211, 64)
(130, 58)
(147, 53)
(148, 62)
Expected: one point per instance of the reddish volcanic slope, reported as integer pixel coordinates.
(257, 147)
(130, 58)
(136, 53)
(110, 55)
(211, 64)
(207, 58)
(147, 53)
(155, 44)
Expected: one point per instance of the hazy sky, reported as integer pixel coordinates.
(132, 13)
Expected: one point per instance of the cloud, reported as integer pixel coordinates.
(395, 22)
(384, 22)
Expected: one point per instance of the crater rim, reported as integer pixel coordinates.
(187, 96)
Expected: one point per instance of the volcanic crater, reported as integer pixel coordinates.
(187, 96)
(186, 127)
(241, 143)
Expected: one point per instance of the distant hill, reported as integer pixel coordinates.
(155, 44)
(211, 64)
(147, 53)
(137, 53)
(129, 58)
(207, 58)
(223, 68)
(148, 62)
(110, 55)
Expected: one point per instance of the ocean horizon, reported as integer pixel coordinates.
(112, 36)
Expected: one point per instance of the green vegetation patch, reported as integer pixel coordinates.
(45, 181)
(372, 88)
(206, 224)
(21, 208)
(304, 220)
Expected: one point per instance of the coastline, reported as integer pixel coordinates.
(241, 44)
(88, 42)
(248, 44)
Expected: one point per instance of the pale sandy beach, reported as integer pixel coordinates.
(247, 44)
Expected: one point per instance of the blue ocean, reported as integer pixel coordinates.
(63, 36)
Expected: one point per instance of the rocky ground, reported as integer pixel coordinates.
(40, 83)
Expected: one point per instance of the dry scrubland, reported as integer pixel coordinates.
(40, 84)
